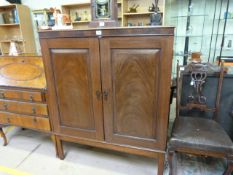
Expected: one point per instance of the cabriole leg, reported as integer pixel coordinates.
(3, 136)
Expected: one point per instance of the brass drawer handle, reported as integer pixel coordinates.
(8, 120)
(34, 119)
(31, 98)
(2, 95)
(105, 95)
(5, 106)
(33, 110)
(98, 95)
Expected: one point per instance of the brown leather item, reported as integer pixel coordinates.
(196, 135)
(202, 134)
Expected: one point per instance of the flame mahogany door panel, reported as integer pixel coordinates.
(73, 76)
(136, 82)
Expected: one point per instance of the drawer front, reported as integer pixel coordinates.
(21, 95)
(39, 123)
(24, 108)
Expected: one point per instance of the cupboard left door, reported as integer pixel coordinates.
(74, 87)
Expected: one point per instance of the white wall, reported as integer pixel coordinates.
(41, 4)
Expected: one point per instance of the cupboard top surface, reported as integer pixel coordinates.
(109, 32)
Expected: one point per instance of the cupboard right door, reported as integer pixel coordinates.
(136, 76)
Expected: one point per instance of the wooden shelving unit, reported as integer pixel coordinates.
(142, 16)
(8, 41)
(80, 22)
(120, 12)
(138, 14)
(16, 26)
(41, 17)
(82, 9)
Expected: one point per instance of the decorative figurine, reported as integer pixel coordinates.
(51, 20)
(77, 17)
(14, 49)
(129, 24)
(61, 20)
(196, 57)
(156, 19)
(85, 16)
(154, 7)
(133, 9)
(140, 23)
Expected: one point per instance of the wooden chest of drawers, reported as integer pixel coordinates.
(24, 108)
(23, 93)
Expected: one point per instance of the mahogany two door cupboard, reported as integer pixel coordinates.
(110, 90)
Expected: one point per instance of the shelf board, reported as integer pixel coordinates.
(14, 24)
(183, 16)
(80, 22)
(77, 5)
(8, 41)
(198, 36)
(226, 34)
(222, 19)
(7, 54)
(223, 49)
(181, 55)
(184, 36)
(138, 13)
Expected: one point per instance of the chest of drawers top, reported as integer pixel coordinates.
(22, 72)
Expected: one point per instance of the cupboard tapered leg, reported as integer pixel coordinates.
(161, 163)
(3, 136)
(55, 144)
(59, 148)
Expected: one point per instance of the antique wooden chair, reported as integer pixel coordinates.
(198, 135)
(3, 135)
